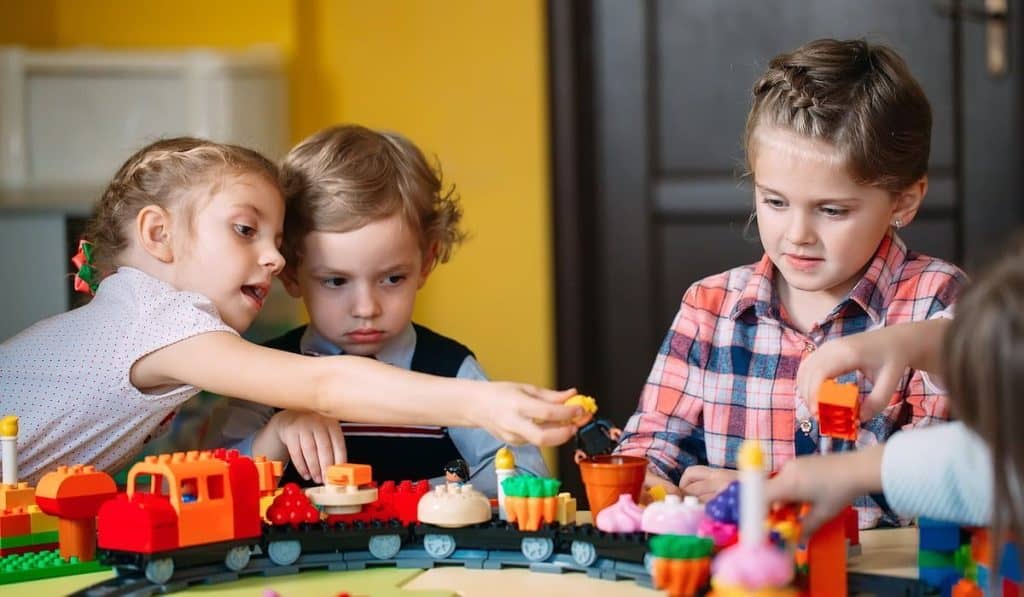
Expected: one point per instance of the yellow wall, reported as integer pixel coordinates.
(464, 79)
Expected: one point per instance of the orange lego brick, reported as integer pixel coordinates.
(16, 496)
(349, 474)
(839, 410)
(826, 559)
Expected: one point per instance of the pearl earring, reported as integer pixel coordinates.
(897, 223)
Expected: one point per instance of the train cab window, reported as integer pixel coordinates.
(155, 484)
(189, 490)
(215, 486)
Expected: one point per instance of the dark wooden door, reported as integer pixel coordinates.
(649, 100)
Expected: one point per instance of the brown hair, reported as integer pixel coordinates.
(984, 370)
(162, 173)
(345, 177)
(858, 97)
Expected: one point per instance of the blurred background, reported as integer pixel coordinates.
(595, 144)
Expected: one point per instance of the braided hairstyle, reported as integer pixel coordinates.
(858, 97)
(171, 173)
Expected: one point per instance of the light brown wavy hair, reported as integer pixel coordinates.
(984, 371)
(858, 97)
(166, 173)
(342, 178)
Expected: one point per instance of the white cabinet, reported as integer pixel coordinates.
(69, 118)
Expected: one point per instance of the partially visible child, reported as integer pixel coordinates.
(185, 246)
(837, 143)
(970, 472)
(367, 221)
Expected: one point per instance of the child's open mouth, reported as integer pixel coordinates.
(257, 294)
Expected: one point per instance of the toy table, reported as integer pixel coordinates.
(890, 552)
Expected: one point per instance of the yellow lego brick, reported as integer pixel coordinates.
(41, 521)
(566, 508)
(265, 502)
(17, 496)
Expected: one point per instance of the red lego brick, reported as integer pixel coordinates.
(15, 522)
(826, 559)
(839, 410)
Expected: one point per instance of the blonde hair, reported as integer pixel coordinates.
(345, 177)
(162, 173)
(858, 97)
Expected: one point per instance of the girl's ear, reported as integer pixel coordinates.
(153, 229)
(908, 201)
(429, 260)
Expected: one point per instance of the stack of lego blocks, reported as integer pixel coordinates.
(957, 561)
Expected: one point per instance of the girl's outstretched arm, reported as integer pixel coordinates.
(357, 389)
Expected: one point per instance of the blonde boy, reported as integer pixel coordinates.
(367, 219)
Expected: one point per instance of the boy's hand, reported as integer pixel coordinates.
(520, 413)
(828, 483)
(705, 482)
(313, 442)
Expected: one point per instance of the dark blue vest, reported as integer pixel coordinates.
(398, 458)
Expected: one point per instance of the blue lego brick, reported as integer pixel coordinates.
(1009, 563)
(936, 535)
(983, 575)
(939, 578)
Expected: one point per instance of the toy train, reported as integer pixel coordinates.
(190, 509)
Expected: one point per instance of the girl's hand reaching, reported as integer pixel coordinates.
(521, 413)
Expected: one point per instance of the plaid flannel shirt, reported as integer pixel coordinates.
(726, 371)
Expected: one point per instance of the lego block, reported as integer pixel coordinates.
(350, 474)
(839, 410)
(19, 495)
(981, 547)
(942, 579)
(936, 559)
(1009, 563)
(1010, 588)
(14, 523)
(826, 557)
(45, 564)
(966, 588)
(41, 521)
(29, 539)
(938, 536)
(6, 551)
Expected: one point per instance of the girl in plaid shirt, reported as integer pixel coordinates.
(837, 144)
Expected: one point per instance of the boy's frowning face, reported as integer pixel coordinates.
(360, 286)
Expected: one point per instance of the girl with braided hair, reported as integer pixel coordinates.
(836, 142)
(185, 243)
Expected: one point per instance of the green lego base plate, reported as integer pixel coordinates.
(20, 567)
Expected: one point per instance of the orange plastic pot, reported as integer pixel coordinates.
(608, 477)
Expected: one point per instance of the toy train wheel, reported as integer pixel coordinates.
(385, 547)
(160, 570)
(237, 558)
(439, 547)
(537, 549)
(583, 553)
(284, 553)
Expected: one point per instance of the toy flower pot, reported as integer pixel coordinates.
(608, 477)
